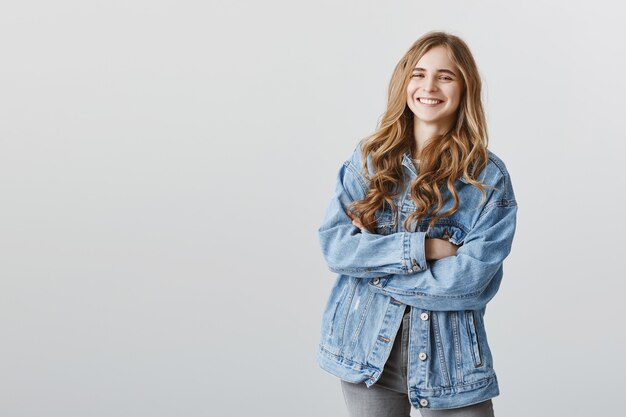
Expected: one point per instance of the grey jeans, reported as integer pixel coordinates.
(388, 396)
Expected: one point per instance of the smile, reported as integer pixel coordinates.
(429, 101)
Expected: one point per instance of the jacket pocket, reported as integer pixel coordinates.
(439, 347)
(472, 334)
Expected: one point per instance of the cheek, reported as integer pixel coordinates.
(457, 94)
(411, 88)
(455, 97)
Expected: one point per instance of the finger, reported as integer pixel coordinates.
(357, 224)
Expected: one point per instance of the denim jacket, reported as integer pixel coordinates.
(449, 362)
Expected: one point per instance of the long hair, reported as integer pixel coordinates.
(461, 150)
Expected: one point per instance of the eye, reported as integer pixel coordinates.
(446, 78)
(417, 75)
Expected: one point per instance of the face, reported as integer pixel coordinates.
(435, 77)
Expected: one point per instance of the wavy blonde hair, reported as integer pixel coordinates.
(462, 150)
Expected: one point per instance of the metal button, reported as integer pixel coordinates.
(375, 281)
(422, 356)
(423, 402)
(424, 316)
(416, 267)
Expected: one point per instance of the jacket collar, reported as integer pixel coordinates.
(408, 162)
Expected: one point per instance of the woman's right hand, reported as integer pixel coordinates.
(356, 221)
(439, 248)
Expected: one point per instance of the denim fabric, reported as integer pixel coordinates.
(388, 396)
(380, 402)
(449, 361)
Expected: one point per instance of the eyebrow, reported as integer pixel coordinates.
(447, 71)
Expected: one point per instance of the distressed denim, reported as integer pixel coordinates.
(378, 274)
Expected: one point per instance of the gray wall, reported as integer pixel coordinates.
(164, 166)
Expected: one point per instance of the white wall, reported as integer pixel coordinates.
(164, 166)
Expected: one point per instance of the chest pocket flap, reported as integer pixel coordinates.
(386, 220)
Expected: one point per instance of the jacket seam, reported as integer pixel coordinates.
(467, 386)
(503, 172)
(350, 166)
(503, 203)
(415, 389)
(342, 359)
(438, 296)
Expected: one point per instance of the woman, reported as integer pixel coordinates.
(421, 221)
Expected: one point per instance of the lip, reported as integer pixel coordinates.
(430, 98)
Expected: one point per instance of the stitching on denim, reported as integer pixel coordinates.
(374, 345)
(441, 297)
(340, 300)
(503, 171)
(355, 172)
(459, 388)
(503, 203)
(357, 332)
(439, 346)
(472, 333)
(454, 318)
(344, 318)
(353, 364)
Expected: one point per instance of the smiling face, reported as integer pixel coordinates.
(435, 89)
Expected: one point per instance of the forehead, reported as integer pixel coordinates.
(436, 58)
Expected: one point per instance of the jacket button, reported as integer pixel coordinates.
(423, 402)
(375, 281)
(422, 356)
(424, 316)
(416, 267)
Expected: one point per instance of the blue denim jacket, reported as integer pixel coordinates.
(450, 363)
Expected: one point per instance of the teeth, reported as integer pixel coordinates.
(428, 101)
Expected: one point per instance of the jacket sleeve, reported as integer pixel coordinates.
(470, 279)
(349, 251)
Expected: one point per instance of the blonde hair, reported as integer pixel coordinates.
(461, 150)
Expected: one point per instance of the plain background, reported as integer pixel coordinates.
(164, 166)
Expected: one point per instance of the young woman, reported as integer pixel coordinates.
(422, 218)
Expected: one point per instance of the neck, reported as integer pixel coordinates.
(423, 132)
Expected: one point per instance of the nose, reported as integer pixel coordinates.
(429, 84)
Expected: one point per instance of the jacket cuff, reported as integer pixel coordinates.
(415, 251)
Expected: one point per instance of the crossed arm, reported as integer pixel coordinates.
(434, 248)
(457, 278)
